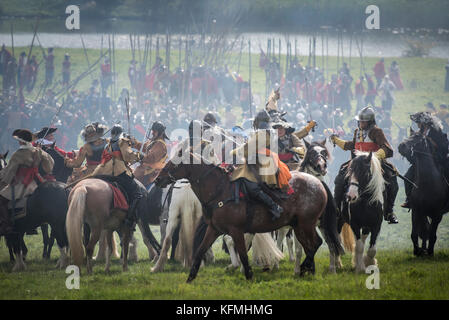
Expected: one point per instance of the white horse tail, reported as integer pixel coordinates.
(348, 237)
(265, 250)
(74, 223)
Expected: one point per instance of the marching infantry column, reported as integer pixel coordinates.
(369, 138)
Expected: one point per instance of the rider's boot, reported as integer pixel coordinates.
(275, 209)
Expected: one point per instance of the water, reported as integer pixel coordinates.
(389, 43)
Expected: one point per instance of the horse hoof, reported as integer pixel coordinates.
(249, 275)
(154, 270)
(190, 279)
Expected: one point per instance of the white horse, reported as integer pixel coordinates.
(185, 209)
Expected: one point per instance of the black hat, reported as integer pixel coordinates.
(45, 131)
(210, 118)
(23, 135)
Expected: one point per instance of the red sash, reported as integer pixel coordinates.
(106, 156)
(366, 146)
(27, 175)
(285, 156)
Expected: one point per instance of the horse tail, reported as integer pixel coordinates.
(348, 237)
(329, 224)
(74, 224)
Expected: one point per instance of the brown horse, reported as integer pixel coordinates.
(223, 215)
(91, 201)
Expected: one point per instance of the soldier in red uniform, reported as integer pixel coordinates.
(379, 71)
(49, 67)
(369, 138)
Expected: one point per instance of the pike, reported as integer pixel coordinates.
(395, 171)
(53, 118)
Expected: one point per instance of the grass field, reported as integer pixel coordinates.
(402, 276)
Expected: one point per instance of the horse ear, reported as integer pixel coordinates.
(323, 143)
(4, 156)
(369, 157)
(412, 132)
(307, 144)
(53, 145)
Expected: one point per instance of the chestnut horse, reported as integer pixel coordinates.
(223, 215)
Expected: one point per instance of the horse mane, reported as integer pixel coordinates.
(376, 185)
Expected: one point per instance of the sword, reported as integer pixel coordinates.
(394, 170)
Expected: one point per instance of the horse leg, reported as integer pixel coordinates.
(433, 234)
(248, 242)
(152, 253)
(240, 246)
(333, 256)
(125, 246)
(418, 227)
(23, 248)
(45, 239)
(370, 259)
(298, 252)
(107, 234)
(51, 242)
(133, 249)
(209, 238)
(102, 247)
(310, 241)
(94, 237)
(173, 222)
(359, 248)
(17, 240)
(280, 237)
(63, 260)
(289, 240)
(235, 261)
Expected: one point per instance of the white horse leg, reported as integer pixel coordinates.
(102, 244)
(370, 259)
(19, 264)
(359, 248)
(109, 249)
(298, 250)
(235, 260)
(333, 257)
(281, 235)
(173, 222)
(63, 260)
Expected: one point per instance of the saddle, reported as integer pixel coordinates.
(121, 198)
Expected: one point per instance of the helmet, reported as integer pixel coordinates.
(210, 118)
(366, 114)
(262, 120)
(116, 131)
(159, 128)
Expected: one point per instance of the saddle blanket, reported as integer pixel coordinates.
(119, 198)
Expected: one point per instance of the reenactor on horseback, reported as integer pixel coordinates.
(21, 176)
(91, 151)
(155, 151)
(369, 138)
(263, 167)
(431, 127)
(115, 161)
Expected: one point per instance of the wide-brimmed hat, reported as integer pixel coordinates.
(93, 131)
(23, 135)
(45, 131)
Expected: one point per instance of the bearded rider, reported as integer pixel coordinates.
(369, 138)
(115, 161)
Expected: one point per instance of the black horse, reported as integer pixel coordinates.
(363, 208)
(430, 197)
(47, 204)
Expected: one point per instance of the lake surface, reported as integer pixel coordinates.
(375, 43)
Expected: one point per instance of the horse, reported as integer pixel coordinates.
(185, 211)
(430, 199)
(212, 186)
(91, 201)
(47, 204)
(363, 206)
(315, 163)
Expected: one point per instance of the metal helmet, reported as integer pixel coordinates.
(159, 128)
(262, 120)
(116, 132)
(210, 119)
(366, 114)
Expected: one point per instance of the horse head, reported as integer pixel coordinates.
(416, 144)
(316, 157)
(365, 178)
